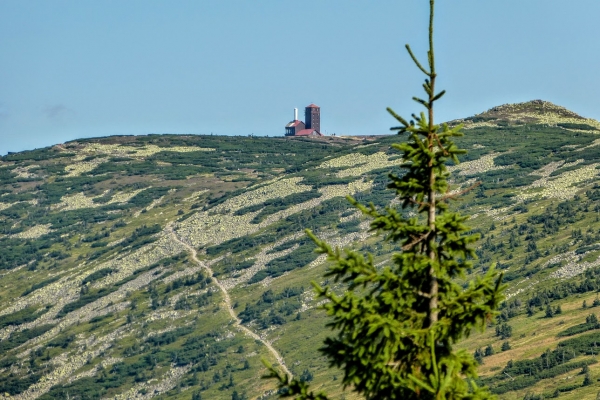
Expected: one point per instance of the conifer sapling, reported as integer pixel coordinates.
(396, 326)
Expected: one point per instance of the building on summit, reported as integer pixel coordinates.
(312, 126)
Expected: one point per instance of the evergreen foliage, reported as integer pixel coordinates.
(558, 310)
(396, 326)
(590, 324)
(503, 331)
(587, 380)
(478, 355)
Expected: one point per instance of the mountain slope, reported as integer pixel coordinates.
(531, 112)
(167, 266)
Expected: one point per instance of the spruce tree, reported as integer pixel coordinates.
(585, 370)
(530, 311)
(478, 355)
(396, 326)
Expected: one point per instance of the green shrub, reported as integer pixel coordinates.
(97, 275)
(18, 338)
(23, 316)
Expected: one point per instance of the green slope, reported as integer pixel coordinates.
(167, 266)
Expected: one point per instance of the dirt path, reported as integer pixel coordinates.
(238, 322)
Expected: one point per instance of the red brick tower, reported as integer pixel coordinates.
(312, 117)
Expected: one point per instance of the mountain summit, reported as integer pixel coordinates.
(531, 112)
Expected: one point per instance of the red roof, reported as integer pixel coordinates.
(293, 123)
(308, 132)
(312, 105)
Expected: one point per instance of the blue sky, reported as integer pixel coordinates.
(74, 69)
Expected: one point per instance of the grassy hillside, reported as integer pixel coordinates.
(167, 266)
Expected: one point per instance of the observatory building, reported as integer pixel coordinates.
(312, 126)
